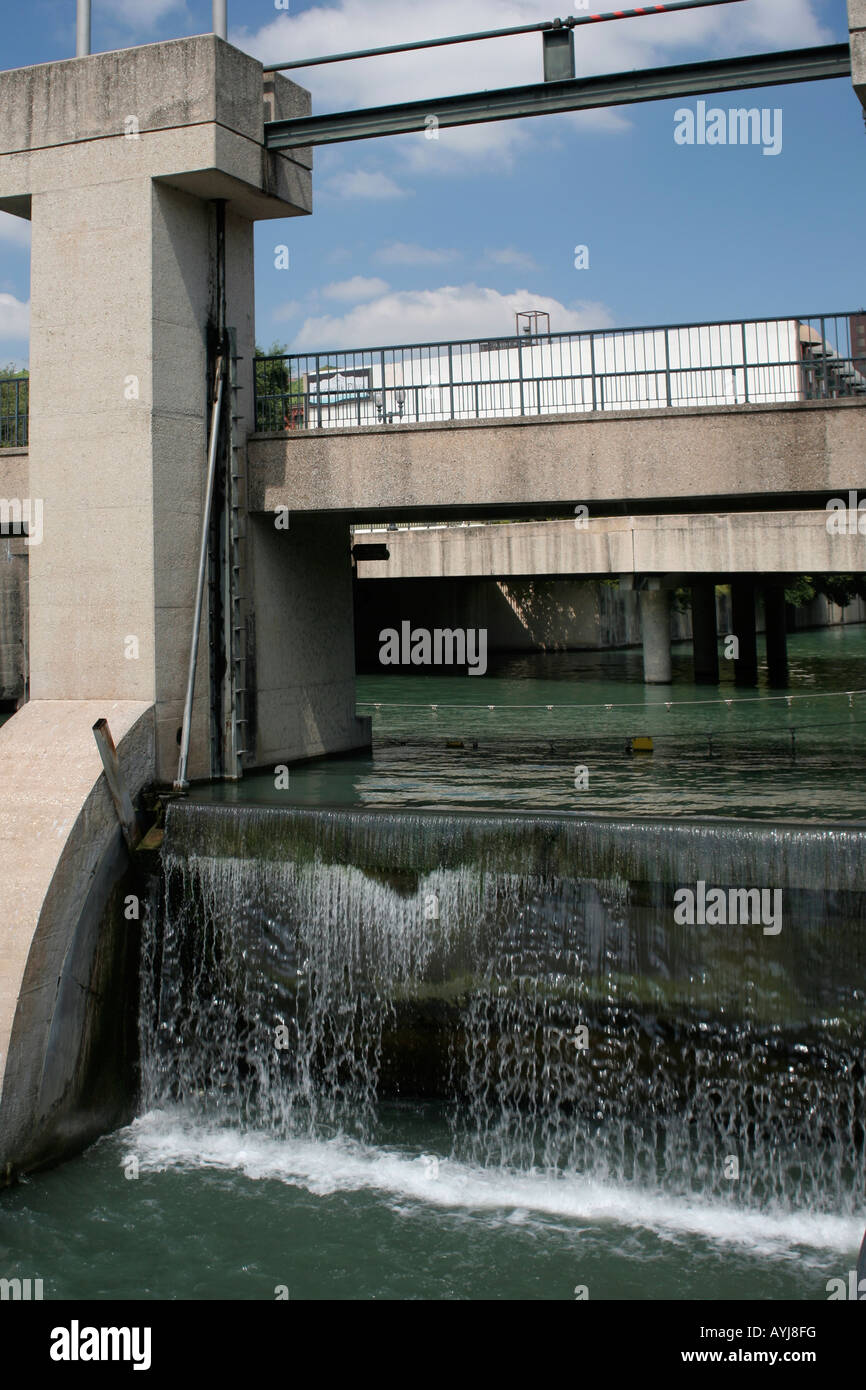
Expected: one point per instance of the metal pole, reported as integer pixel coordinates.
(545, 26)
(181, 782)
(220, 19)
(82, 37)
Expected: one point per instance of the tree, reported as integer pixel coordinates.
(279, 397)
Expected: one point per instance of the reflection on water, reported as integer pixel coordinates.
(757, 756)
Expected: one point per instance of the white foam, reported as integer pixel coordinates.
(164, 1140)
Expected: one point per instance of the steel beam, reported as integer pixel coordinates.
(546, 98)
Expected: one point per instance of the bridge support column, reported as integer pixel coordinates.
(119, 160)
(743, 614)
(305, 645)
(857, 29)
(705, 638)
(775, 622)
(125, 163)
(655, 621)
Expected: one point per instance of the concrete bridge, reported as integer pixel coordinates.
(469, 570)
(699, 460)
(143, 173)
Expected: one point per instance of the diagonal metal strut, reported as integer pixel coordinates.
(580, 94)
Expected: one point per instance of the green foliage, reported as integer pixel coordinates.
(841, 589)
(14, 405)
(277, 393)
(801, 592)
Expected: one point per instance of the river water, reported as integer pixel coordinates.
(796, 755)
(432, 926)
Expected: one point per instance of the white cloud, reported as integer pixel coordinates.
(345, 25)
(14, 318)
(440, 315)
(360, 287)
(291, 309)
(139, 15)
(15, 231)
(509, 256)
(409, 253)
(362, 183)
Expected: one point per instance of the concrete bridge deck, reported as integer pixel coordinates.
(704, 459)
(771, 542)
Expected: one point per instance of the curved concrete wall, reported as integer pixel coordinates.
(61, 858)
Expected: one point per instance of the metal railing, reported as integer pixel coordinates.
(743, 362)
(14, 401)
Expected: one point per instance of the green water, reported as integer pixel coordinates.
(172, 1208)
(221, 1215)
(757, 757)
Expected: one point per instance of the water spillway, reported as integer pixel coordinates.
(531, 973)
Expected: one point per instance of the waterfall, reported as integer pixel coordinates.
(529, 971)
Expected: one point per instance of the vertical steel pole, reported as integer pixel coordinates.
(451, 377)
(181, 783)
(668, 392)
(82, 37)
(220, 19)
(745, 366)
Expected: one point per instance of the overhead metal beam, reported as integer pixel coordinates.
(544, 26)
(581, 94)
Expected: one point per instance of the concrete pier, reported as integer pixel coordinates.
(305, 663)
(775, 626)
(143, 173)
(118, 160)
(655, 619)
(705, 640)
(745, 631)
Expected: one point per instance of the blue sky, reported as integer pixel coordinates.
(414, 239)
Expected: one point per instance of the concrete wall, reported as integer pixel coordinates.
(857, 27)
(520, 615)
(60, 859)
(739, 542)
(14, 484)
(305, 660)
(13, 619)
(649, 460)
(821, 612)
(116, 159)
(546, 615)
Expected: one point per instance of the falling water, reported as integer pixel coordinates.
(530, 972)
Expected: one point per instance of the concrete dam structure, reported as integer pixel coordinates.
(447, 955)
